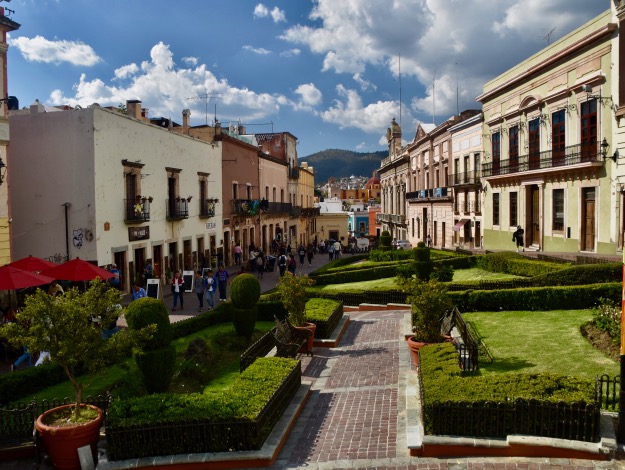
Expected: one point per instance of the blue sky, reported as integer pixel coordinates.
(326, 71)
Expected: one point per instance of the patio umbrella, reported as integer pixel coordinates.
(14, 278)
(32, 263)
(77, 270)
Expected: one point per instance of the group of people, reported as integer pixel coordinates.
(206, 286)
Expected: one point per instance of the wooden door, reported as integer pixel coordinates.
(588, 219)
(535, 216)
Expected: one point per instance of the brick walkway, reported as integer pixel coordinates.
(355, 416)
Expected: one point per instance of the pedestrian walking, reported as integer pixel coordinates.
(237, 254)
(260, 264)
(282, 262)
(292, 264)
(223, 278)
(177, 289)
(337, 249)
(310, 252)
(116, 279)
(301, 251)
(517, 237)
(200, 288)
(209, 288)
(138, 292)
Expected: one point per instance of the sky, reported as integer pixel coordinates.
(333, 73)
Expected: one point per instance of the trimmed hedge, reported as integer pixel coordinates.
(337, 263)
(220, 314)
(582, 274)
(21, 384)
(536, 298)
(367, 274)
(325, 314)
(244, 291)
(513, 263)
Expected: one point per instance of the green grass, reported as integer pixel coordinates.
(539, 342)
(127, 372)
(387, 283)
(476, 274)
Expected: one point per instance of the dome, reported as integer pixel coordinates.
(373, 181)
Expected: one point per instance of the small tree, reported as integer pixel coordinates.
(292, 290)
(429, 302)
(69, 328)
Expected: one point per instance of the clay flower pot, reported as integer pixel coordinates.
(311, 338)
(414, 345)
(62, 442)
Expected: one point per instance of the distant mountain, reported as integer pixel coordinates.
(343, 163)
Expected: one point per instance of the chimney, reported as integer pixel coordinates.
(133, 108)
(185, 120)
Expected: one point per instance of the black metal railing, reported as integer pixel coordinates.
(177, 209)
(571, 155)
(137, 210)
(608, 392)
(466, 178)
(442, 193)
(294, 173)
(309, 212)
(207, 208)
(279, 208)
(353, 299)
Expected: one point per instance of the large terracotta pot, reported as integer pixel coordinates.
(414, 347)
(62, 442)
(311, 338)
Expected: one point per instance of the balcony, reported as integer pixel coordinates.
(177, 209)
(294, 173)
(395, 219)
(309, 212)
(549, 159)
(280, 208)
(251, 207)
(468, 178)
(207, 208)
(137, 211)
(429, 195)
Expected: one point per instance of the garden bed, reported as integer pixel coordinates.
(326, 314)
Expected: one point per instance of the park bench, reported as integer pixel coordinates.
(290, 340)
(284, 340)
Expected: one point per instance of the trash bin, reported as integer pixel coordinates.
(270, 263)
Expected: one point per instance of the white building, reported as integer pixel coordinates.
(112, 188)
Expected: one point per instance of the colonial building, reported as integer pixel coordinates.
(6, 25)
(111, 188)
(393, 180)
(308, 229)
(465, 181)
(548, 130)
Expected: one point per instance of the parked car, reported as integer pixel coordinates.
(403, 245)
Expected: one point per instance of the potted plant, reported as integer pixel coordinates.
(429, 301)
(292, 290)
(69, 327)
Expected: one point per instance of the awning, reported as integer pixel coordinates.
(459, 225)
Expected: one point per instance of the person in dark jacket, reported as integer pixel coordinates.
(517, 237)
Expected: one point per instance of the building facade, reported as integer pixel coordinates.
(544, 169)
(112, 188)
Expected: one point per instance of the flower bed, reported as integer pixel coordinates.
(326, 314)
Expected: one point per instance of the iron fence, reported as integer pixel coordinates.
(608, 392)
(380, 298)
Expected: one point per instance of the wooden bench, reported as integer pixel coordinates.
(290, 340)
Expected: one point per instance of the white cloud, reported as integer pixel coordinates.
(278, 15)
(167, 89)
(257, 50)
(190, 61)
(364, 84)
(261, 11)
(350, 111)
(291, 53)
(474, 40)
(310, 94)
(40, 49)
(126, 71)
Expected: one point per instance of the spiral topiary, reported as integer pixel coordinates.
(245, 291)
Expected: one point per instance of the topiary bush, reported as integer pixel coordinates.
(157, 361)
(148, 311)
(244, 321)
(385, 241)
(443, 273)
(245, 291)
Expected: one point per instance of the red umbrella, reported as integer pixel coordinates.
(77, 270)
(14, 278)
(32, 263)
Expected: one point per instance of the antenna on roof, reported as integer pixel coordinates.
(549, 34)
(433, 95)
(205, 98)
(399, 74)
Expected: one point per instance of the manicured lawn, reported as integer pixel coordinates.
(476, 274)
(228, 366)
(539, 342)
(377, 284)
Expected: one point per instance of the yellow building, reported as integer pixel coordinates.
(548, 128)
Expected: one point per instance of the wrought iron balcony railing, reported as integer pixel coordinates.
(571, 155)
(310, 212)
(398, 219)
(466, 178)
(137, 211)
(429, 195)
(207, 208)
(177, 209)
